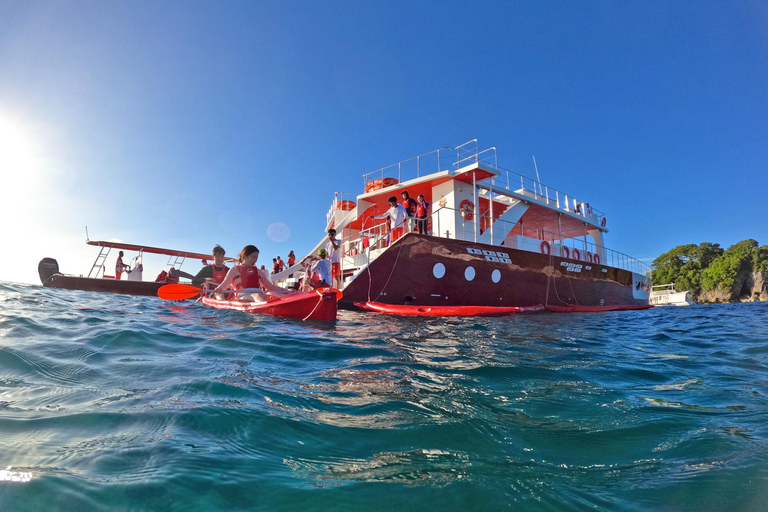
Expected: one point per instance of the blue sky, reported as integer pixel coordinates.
(186, 124)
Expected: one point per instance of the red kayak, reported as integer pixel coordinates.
(572, 308)
(394, 309)
(315, 305)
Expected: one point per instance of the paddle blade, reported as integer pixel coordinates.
(177, 292)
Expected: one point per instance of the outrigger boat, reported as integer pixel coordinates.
(320, 304)
(495, 238)
(98, 281)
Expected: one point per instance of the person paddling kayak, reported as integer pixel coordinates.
(213, 274)
(247, 275)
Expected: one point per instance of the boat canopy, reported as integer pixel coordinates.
(154, 250)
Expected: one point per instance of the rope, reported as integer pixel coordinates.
(313, 309)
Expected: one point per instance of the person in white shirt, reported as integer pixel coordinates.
(397, 218)
(333, 249)
(319, 274)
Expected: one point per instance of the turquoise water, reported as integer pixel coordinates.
(111, 402)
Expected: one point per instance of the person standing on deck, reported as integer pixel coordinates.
(422, 214)
(397, 217)
(212, 274)
(333, 249)
(120, 266)
(410, 206)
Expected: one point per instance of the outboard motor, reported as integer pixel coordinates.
(47, 268)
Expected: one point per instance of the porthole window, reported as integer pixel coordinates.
(438, 270)
(469, 274)
(496, 276)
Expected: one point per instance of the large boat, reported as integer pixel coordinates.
(98, 280)
(667, 295)
(494, 238)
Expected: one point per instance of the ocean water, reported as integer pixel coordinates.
(111, 402)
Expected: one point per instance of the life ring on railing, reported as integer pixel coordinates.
(576, 254)
(467, 209)
(545, 248)
(345, 205)
(564, 252)
(596, 259)
(602, 222)
(588, 257)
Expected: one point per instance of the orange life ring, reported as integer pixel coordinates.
(564, 252)
(602, 222)
(576, 254)
(545, 248)
(596, 259)
(345, 205)
(467, 209)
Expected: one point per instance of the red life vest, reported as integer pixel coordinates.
(249, 277)
(409, 204)
(421, 209)
(218, 275)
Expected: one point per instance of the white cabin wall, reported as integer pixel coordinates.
(599, 240)
(449, 218)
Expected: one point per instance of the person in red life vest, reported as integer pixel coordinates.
(397, 218)
(275, 266)
(410, 205)
(422, 214)
(280, 264)
(291, 259)
(161, 276)
(171, 277)
(120, 266)
(212, 274)
(246, 275)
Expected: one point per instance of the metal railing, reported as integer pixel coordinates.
(454, 158)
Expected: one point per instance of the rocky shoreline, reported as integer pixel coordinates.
(749, 287)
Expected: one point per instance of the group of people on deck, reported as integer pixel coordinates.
(407, 216)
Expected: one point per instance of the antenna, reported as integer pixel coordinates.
(86, 234)
(538, 180)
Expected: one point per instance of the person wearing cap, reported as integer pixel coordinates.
(215, 273)
(319, 274)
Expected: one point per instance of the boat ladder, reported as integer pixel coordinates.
(99, 263)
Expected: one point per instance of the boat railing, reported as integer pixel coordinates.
(551, 197)
(463, 155)
(342, 201)
(438, 160)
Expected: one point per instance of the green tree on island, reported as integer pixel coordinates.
(708, 267)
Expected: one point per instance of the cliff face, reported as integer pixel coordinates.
(749, 287)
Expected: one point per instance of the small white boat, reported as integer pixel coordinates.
(666, 295)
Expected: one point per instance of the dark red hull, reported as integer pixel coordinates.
(90, 284)
(431, 271)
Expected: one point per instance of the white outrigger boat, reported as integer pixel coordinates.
(667, 295)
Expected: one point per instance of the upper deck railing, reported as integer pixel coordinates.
(451, 159)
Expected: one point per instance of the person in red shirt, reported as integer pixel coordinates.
(422, 214)
(291, 259)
